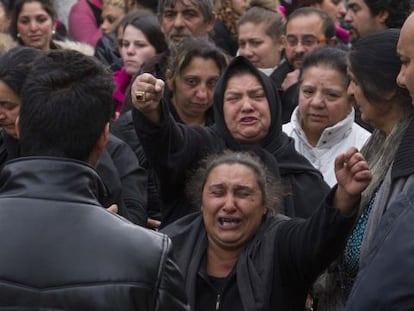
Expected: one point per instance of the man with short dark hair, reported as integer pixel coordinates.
(306, 29)
(180, 19)
(367, 16)
(61, 249)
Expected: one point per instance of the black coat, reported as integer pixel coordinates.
(125, 169)
(62, 251)
(385, 278)
(275, 269)
(106, 50)
(223, 38)
(123, 176)
(288, 97)
(124, 129)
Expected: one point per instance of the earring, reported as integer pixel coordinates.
(53, 32)
(18, 35)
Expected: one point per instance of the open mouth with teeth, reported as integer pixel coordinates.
(229, 222)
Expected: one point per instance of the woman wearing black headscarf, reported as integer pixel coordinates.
(173, 149)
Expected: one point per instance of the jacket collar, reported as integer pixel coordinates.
(403, 162)
(331, 135)
(51, 178)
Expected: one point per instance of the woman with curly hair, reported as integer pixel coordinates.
(225, 27)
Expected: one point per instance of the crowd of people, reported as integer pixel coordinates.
(206, 154)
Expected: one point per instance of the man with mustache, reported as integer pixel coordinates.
(306, 29)
(180, 19)
(367, 16)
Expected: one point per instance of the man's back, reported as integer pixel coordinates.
(62, 250)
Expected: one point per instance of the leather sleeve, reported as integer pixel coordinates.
(171, 294)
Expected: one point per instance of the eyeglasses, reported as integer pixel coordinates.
(306, 40)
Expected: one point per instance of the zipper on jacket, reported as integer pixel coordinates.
(218, 302)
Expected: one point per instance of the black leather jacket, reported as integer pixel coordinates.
(62, 251)
(124, 177)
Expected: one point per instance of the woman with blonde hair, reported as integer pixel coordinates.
(107, 49)
(260, 31)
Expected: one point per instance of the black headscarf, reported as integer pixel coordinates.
(304, 186)
(276, 142)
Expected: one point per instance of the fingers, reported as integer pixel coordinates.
(146, 92)
(159, 85)
(146, 78)
(343, 159)
(291, 78)
(355, 163)
(149, 84)
(113, 208)
(153, 223)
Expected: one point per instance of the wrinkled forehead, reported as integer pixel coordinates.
(237, 172)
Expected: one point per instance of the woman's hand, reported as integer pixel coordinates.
(353, 176)
(146, 93)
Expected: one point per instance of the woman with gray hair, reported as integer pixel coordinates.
(238, 253)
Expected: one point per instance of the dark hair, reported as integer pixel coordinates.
(398, 10)
(7, 6)
(205, 6)
(257, 14)
(271, 189)
(328, 26)
(375, 64)
(14, 66)
(148, 23)
(47, 5)
(121, 24)
(292, 5)
(331, 57)
(148, 4)
(191, 47)
(66, 104)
